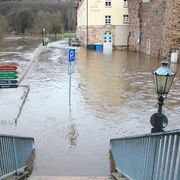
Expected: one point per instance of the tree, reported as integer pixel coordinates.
(24, 20)
(3, 25)
(69, 14)
(21, 13)
(56, 25)
(21, 20)
(41, 21)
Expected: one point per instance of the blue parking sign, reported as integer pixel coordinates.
(71, 55)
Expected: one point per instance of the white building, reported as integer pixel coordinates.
(103, 21)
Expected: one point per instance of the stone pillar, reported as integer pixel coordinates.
(152, 15)
(134, 24)
(81, 33)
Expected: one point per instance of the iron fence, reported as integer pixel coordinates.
(148, 157)
(14, 154)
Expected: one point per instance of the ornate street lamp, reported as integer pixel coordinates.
(163, 78)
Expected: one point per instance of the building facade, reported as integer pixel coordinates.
(154, 26)
(99, 21)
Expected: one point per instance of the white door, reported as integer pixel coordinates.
(107, 41)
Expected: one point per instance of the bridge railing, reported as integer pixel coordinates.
(148, 157)
(14, 154)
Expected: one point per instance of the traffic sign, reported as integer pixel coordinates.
(71, 68)
(8, 67)
(8, 77)
(71, 55)
(3, 82)
(8, 86)
(6, 73)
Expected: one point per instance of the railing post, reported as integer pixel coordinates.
(15, 154)
(154, 160)
(1, 168)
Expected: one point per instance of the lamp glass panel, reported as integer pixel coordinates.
(160, 84)
(155, 81)
(169, 83)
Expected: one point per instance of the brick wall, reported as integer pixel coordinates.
(153, 17)
(171, 30)
(158, 21)
(134, 24)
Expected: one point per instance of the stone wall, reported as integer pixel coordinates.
(81, 33)
(158, 21)
(171, 32)
(152, 25)
(95, 34)
(134, 24)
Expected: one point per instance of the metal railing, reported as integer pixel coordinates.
(14, 154)
(148, 157)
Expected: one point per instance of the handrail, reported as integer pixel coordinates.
(21, 137)
(148, 157)
(145, 135)
(14, 154)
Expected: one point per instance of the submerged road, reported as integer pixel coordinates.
(112, 96)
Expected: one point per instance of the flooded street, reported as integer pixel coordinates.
(112, 96)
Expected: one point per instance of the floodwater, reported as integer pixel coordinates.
(112, 95)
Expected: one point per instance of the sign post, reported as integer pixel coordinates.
(71, 69)
(8, 76)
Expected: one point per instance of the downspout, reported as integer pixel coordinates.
(128, 38)
(140, 26)
(87, 24)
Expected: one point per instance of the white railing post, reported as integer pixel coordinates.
(15, 154)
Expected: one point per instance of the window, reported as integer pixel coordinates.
(126, 3)
(108, 3)
(107, 19)
(126, 18)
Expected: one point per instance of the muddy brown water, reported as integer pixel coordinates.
(112, 96)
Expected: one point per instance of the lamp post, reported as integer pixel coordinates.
(163, 78)
(43, 36)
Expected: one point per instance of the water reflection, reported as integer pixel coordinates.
(107, 52)
(72, 135)
(98, 80)
(106, 81)
(72, 131)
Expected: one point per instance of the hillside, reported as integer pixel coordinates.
(36, 14)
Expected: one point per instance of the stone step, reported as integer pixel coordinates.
(69, 178)
(118, 176)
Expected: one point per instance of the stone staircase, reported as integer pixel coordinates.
(115, 176)
(69, 178)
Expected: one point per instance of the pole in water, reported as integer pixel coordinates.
(70, 90)
(71, 69)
